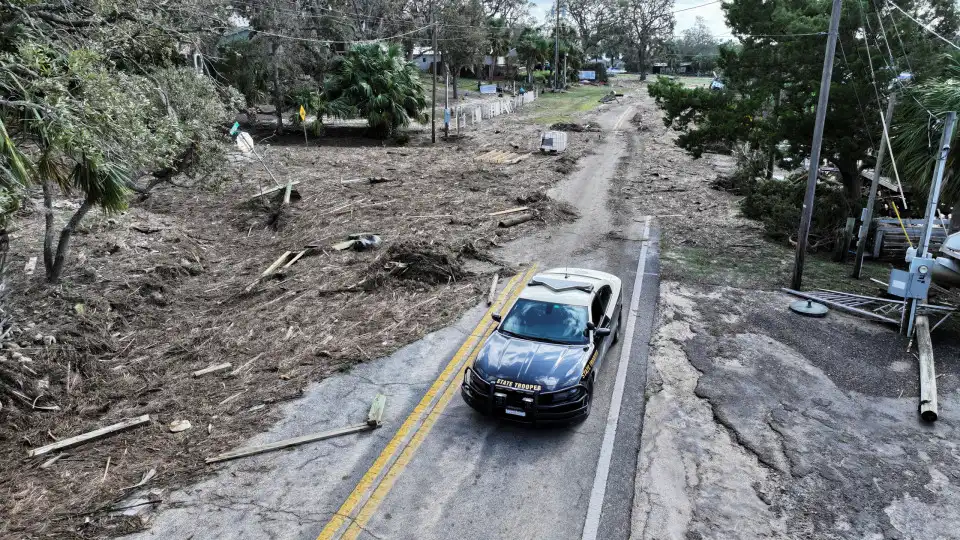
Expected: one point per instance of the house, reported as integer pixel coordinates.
(423, 57)
(659, 68)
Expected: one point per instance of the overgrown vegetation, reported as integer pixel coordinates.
(767, 112)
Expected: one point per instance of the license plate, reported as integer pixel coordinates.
(515, 412)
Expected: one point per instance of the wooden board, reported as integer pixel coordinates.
(89, 436)
(287, 443)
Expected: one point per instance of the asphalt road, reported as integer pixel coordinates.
(436, 469)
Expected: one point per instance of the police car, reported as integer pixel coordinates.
(541, 363)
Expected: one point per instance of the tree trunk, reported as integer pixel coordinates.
(63, 246)
(49, 224)
(852, 184)
(642, 61)
(455, 72)
(277, 98)
(772, 149)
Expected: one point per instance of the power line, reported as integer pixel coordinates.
(697, 7)
(925, 27)
(330, 42)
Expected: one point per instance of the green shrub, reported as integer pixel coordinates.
(777, 204)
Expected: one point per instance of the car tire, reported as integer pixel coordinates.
(616, 336)
(589, 400)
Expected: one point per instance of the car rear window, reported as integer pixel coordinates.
(546, 321)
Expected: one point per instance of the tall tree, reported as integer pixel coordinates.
(649, 24)
(461, 35)
(772, 109)
(593, 19)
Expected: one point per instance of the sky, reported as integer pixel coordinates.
(685, 19)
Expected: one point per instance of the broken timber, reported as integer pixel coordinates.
(270, 270)
(89, 436)
(510, 211)
(212, 369)
(374, 419)
(276, 189)
(516, 220)
(928, 376)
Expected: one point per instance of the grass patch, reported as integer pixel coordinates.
(552, 108)
(767, 266)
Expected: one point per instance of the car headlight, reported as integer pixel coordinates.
(567, 395)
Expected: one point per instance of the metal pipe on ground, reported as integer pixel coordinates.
(928, 375)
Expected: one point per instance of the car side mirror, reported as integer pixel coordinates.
(496, 317)
(600, 332)
(591, 326)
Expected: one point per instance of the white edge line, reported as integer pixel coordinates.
(591, 526)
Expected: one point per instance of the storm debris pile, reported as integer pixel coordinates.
(158, 293)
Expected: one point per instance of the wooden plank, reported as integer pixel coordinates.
(493, 290)
(212, 369)
(275, 189)
(928, 375)
(89, 436)
(295, 259)
(270, 270)
(287, 443)
(375, 416)
(510, 211)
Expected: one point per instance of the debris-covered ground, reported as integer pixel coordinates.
(172, 286)
(760, 423)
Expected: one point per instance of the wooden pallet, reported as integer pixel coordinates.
(502, 157)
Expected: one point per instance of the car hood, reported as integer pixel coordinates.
(549, 365)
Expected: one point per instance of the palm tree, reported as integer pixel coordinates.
(531, 47)
(500, 38)
(915, 135)
(377, 83)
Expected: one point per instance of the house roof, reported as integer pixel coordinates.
(420, 50)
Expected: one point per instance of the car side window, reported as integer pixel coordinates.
(596, 309)
(599, 306)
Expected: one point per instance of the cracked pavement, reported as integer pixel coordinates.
(763, 424)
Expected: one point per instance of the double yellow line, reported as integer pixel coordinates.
(377, 482)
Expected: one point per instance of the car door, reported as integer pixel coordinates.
(598, 311)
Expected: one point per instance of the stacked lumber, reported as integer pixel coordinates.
(890, 243)
(502, 157)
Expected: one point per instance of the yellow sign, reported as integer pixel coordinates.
(303, 113)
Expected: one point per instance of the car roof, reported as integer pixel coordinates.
(572, 286)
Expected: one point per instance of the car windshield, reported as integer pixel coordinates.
(546, 321)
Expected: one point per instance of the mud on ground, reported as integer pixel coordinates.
(159, 291)
(763, 424)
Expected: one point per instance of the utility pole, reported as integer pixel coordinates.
(823, 99)
(934, 197)
(867, 216)
(556, 51)
(564, 70)
(446, 101)
(433, 112)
